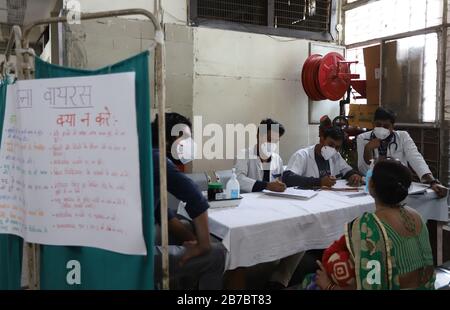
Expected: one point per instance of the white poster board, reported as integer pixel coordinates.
(69, 163)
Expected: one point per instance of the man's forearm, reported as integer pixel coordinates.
(428, 178)
(350, 173)
(368, 155)
(292, 179)
(202, 230)
(178, 230)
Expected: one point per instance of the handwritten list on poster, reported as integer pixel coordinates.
(69, 163)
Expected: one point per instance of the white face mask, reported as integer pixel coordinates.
(381, 132)
(268, 149)
(186, 150)
(328, 152)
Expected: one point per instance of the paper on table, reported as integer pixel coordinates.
(342, 185)
(292, 192)
(417, 188)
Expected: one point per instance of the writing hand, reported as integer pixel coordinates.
(276, 186)
(327, 181)
(355, 180)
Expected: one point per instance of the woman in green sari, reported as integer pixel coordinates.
(390, 248)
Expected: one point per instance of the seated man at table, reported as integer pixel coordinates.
(321, 164)
(192, 257)
(260, 166)
(383, 142)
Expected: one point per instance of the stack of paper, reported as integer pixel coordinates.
(342, 189)
(292, 192)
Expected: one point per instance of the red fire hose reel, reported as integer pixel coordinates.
(329, 77)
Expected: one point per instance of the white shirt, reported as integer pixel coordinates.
(406, 151)
(250, 169)
(303, 163)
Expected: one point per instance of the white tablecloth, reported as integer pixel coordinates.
(265, 228)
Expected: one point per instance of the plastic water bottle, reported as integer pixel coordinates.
(233, 188)
(369, 175)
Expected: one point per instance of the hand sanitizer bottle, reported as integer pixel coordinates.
(369, 175)
(233, 189)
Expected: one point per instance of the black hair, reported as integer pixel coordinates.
(271, 122)
(382, 114)
(325, 122)
(172, 119)
(392, 181)
(334, 133)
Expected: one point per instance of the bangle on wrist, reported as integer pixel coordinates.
(330, 286)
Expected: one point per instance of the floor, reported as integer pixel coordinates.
(259, 275)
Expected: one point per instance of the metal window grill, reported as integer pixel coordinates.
(427, 142)
(241, 11)
(16, 11)
(307, 15)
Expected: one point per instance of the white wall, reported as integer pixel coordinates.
(175, 10)
(224, 76)
(242, 78)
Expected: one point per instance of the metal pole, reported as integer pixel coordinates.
(31, 250)
(161, 94)
(160, 60)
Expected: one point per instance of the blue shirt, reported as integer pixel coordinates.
(179, 185)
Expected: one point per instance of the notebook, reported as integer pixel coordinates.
(294, 193)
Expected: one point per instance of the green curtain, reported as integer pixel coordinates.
(10, 246)
(102, 269)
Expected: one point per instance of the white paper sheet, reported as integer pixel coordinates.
(418, 188)
(292, 192)
(69, 163)
(342, 184)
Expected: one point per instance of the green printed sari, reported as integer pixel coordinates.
(373, 255)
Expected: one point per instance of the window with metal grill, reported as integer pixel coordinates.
(309, 19)
(241, 11)
(308, 15)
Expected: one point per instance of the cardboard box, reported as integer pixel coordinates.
(361, 115)
(373, 73)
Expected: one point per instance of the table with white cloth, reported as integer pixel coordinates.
(265, 228)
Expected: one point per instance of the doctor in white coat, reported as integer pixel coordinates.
(384, 142)
(321, 164)
(260, 167)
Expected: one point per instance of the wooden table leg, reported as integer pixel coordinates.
(236, 279)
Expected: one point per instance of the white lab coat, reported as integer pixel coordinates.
(249, 169)
(303, 163)
(406, 152)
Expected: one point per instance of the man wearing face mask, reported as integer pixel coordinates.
(321, 164)
(192, 257)
(260, 166)
(383, 141)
